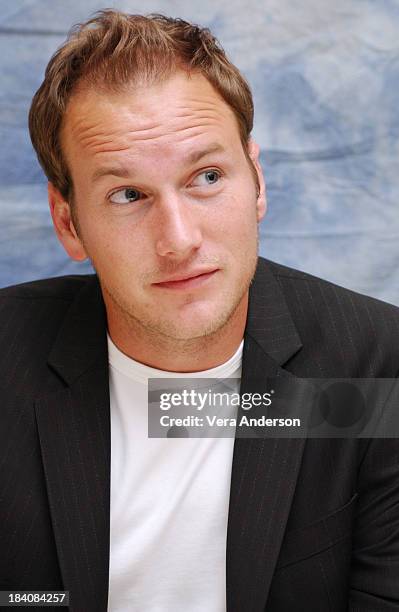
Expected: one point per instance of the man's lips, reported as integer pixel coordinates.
(194, 280)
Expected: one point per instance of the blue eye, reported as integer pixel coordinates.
(125, 196)
(208, 177)
(211, 176)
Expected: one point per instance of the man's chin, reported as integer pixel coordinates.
(189, 331)
(195, 325)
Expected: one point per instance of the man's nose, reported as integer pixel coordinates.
(178, 232)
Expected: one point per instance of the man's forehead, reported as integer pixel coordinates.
(177, 100)
(186, 113)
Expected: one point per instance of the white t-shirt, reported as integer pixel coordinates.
(169, 501)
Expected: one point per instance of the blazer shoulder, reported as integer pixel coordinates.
(31, 316)
(352, 333)
(291, 277)
(61, 287)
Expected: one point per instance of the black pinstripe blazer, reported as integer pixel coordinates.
(313, 525)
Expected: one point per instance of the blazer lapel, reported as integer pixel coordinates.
(74, 433)
(264, 470)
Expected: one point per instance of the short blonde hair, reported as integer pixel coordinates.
(114, 50)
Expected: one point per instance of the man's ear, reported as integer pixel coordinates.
(64, 227)
(261, 203)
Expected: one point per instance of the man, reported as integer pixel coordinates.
(142, 127)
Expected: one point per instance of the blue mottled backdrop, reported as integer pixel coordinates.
(325, 77)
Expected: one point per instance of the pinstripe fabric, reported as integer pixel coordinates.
(312, 525)
(74, 435)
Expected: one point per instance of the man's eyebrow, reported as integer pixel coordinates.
(126, 172)
(196, 156)
(118, 171)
